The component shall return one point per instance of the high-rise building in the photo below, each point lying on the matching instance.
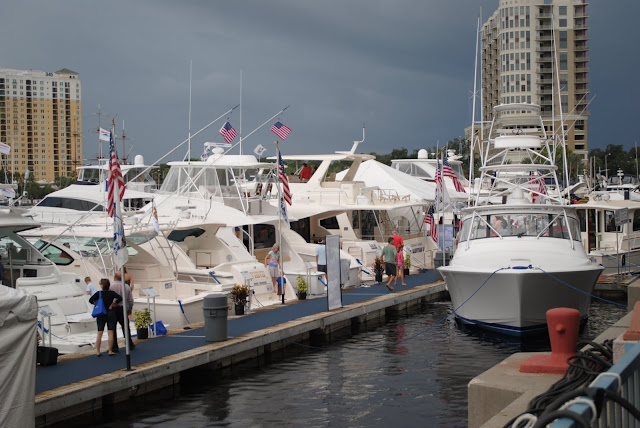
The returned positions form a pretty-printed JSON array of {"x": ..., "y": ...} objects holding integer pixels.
[
  {"x": 529, "y": 49},
  {"x": 41, "y": 119}
]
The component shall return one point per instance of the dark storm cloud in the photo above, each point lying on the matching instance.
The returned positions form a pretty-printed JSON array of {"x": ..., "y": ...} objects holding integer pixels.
[{"x": 403, "y": 67}]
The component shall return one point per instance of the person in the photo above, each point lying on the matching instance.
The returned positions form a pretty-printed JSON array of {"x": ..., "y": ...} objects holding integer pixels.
[
  {"x": 238, "y": 232},
  {"x": 397, "y": 239},
  {"x": 91, "y": 287},
  {"x": 321, "y": 258},
  {"x": 501, "y": 227},
  {"x": 400, "y": 265},
  {"x": 110, "y": 299},
  {"x": 1, "y": 271},
  {"x": 389, "y": 259},
  {"x": 128, "y": 279},
  {"x": 125, "y": 291},
  {"x": 272, "y": 261},
  {"x": 305, "y": 173}
]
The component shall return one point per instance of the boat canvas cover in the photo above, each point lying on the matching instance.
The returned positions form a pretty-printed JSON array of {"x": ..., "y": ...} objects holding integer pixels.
[
  {"x": 18, "y": 324},
  {"x": 374, "y": 173}
]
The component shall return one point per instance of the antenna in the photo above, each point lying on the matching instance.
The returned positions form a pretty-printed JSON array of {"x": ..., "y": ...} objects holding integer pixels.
[
  {"x": 356, "y": 143},
  {"x": 124, "y": 137},
  {"x": 98, "y": 131}
]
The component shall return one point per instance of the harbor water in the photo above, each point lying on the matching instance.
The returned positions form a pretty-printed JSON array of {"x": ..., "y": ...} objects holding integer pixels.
[{"x": 411, "y": 370}]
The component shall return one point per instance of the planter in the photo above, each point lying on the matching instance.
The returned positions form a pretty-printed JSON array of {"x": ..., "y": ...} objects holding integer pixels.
[
  {"x": 143, "y": 333},
  {"x": 239, "y": 307},
  {"x": 302, "y": 296},
  {"x": 379, "y": 277},
  {"x": 406, "y": 271}
]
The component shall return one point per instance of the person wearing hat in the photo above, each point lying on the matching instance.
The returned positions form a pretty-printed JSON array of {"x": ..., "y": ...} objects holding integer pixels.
[{"x": 305, "y": 173}]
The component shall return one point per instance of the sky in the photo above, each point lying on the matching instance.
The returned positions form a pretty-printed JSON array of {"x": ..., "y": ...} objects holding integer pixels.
[{"x": 404, "y": 68}]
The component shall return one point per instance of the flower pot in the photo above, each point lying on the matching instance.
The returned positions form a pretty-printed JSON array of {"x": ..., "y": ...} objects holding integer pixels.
[
  {"x": 379, "y": 277},
  {"x": 406, "y": 271},
  {"x": 143, "y": 333},
  {"x": 302, "y": 296},
  {"x": 239, "y": 309}
]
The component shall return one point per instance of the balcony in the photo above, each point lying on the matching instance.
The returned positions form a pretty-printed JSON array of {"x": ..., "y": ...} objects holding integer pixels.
[
  {"x": 580, "y": 15},
  {"x": 545, "y": 58},
  {"x": 582, "y": 91},
  {"x": 582, "y": 69},
  {"x": 580, "y": 37},
  {"x": 578, "y": 26},
  {"x": 544, "y": 27},
  {"x": 581, "y": 48},
  {"x": 582, "y": 58},
  {"x": 544, "y": 91},
  {"x": 544, "y": 48},
  {"x": 582, "y": 80}
]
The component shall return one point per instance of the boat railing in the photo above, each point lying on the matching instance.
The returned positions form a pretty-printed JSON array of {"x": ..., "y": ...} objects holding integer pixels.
[{"x": 623, "y": 380}]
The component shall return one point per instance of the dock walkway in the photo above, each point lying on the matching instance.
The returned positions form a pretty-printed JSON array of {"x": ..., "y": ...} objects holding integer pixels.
[{"x": 78, "y": 386}]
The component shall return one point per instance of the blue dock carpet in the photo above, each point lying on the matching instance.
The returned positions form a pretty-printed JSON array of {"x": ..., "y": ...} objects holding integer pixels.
[{"x": 79, "y": 369}]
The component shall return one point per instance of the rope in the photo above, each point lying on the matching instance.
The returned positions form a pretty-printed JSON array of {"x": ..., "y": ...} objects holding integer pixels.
[{"x": 40, "y": 326}]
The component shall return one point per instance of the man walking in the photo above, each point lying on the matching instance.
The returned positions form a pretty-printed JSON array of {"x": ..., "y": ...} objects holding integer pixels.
[
  {"x": 321, "y": 258},
  {"x": 389, "y": 258},
  {"x": 91, "y": 287},
  {"x": 125, "y": 291}
]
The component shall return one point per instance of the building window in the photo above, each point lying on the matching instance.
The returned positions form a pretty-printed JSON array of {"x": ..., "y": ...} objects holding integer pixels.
[
  {"x": 579, "y": 125},
  {"x": 563, "y": 40},
  {"x": 578, "y": 146},
  {"x": 562, "y": 10},
  {"x": 579, "y": 137},
  {"x": 563, "y": 61},
  {"x": 562, "y": 23}
]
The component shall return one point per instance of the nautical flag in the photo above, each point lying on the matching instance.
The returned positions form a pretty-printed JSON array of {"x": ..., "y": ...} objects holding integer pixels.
[
  {"x": 447, "y": 171},
  {"x": 259, "y": 150},
  {"x": 205, "y": 154},
  {"x": 120, "y": 253},
  {"x": 228, "y": 132},
  {"x": 433, "y": 229},
  {"x": 538, "y": 186},
  {"x": 281, "y": 130},
  {"x": 286, "y": 192},
  {"x": 5, "y": 149},
  {"x": 283, "y": 211},
  {"x": 154, "y": 211},
  {"x": 115, "y": 175},
  {"x": 438, "y": 178},
  {"x": 105, "y": 135}
]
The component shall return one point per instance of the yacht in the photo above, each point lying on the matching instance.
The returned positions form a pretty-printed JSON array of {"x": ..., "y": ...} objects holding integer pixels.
[
  {"x": 521, "y": 257},
  {"x": 70, "y": 327}
]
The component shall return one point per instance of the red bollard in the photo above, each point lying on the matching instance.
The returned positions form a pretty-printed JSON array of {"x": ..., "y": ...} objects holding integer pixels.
[{"x": 563, "y": 324}]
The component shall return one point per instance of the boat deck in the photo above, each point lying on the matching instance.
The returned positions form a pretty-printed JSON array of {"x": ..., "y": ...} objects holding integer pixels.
[{"x": 89, "y": 378}]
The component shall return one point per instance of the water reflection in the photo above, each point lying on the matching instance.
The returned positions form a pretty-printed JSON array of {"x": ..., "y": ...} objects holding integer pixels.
[{"x": 380, "y": 376}]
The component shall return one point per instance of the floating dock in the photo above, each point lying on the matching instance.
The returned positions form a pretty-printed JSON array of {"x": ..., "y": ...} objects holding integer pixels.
[{"x": 85, "y": 385}]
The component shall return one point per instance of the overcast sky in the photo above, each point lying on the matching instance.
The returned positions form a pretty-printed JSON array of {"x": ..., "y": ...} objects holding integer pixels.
[{"x": 403, "y": 67}]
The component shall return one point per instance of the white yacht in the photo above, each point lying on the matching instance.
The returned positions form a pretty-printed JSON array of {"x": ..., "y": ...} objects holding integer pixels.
[
  {"x": 364, "y": 216},
  {"x": 62, "y": 295},
  {"x": 89, "y": 193},
  {"x": 517, "y": 259}
]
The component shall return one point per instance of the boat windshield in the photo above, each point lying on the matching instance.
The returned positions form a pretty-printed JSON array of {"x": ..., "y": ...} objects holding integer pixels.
[
  {"x": 519, "y": 224},
  {"x": 143, "y": 178}
]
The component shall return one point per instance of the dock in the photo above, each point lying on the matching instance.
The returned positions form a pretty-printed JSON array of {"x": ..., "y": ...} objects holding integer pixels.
[{"x": 79, "y": 387}]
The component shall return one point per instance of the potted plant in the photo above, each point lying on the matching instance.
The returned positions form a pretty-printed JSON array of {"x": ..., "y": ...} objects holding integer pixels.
[
  {"x": 239, "y": 296},
  {"x": 377, "y": 269},
  {"x": 302, "y": 287},
  {"x": 142, "y": 321},
  {"x": 407, "y": 264}
]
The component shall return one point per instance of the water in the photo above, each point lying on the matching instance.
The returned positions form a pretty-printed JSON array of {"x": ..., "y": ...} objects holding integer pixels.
[{"x": 366, "y": 380}]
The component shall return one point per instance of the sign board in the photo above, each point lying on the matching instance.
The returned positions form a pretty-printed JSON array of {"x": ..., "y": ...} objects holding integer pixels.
[
  {"x": 334, "y": 293},
  {"x": 46, "y": 311},
  {"x": 621, "y": 216},
  {"x": 150, "y": 292},
  {"x": 246, "y": 275},
  {"x": 309, "y": 265},
  {"x": 445, "y": 237}
]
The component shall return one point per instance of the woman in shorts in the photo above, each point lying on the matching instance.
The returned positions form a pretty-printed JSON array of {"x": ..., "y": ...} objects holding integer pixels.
[
  {"x": 110, "y": 299},
  {"x": 272, "y": 262}
]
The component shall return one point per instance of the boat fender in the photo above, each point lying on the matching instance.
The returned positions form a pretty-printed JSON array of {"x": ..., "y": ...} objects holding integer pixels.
[{"x": 522, "y": 267}]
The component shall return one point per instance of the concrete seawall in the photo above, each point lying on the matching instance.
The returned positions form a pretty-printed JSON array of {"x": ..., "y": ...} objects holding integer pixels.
[{"x": 92, "y": 395}]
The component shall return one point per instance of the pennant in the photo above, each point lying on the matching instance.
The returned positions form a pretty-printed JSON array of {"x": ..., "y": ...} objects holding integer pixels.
[
  {"x": 259, "y": 150},
  {"x": 5, "y": 149},
  {"x": 105, "y": 135}
]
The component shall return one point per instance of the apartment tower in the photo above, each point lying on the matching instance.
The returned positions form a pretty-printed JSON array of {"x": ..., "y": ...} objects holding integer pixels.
[
  {"x": 41, "y": 119},
  {"x": 528, "y": 49}
]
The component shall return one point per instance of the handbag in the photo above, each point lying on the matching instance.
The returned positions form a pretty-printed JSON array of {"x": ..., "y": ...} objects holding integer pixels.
[{"x": 99, "y": 308}]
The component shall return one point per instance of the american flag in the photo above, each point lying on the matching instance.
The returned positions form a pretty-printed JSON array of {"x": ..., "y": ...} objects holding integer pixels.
[
  {"x": 228, "y": 132},
  {"x": 286, "y": 192},
  {"x": 281, "y": 130},
  {"x": 428, "y": 219},
  {"x": 447, "y": 171},
  {"x": 115, "y": 176},
  {"x": 538, "y": 186},
  {"x": 438, "y": 177}
]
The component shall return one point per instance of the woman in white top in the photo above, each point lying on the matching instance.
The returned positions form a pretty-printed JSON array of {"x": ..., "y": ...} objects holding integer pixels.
[{"x": 272, "y": 261}]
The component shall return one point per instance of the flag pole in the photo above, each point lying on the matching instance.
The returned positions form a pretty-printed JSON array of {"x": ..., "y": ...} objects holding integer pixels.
[
  {"x": 281, "y": 268},
  {"x": 118, "y": 238}
]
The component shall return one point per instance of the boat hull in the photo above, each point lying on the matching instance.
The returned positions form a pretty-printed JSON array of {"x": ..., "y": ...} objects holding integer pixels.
[{"x": 515, "y": 301}]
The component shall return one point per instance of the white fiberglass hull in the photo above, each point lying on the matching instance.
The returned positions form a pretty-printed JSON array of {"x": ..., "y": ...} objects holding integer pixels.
[{"x": 515, "y": 301}]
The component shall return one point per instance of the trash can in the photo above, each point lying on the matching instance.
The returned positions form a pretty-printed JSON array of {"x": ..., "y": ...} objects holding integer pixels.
[
  {"x": 215, "y": 312},
  {"x": 437, "y": 262}
]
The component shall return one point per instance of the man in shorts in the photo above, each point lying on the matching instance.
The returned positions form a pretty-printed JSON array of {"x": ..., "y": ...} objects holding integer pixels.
[
  {"x": 389, "y": 258},
  {"x": 321, "y": 258}
]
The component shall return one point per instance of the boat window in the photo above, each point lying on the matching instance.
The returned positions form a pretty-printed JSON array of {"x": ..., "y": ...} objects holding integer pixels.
[
  {"x": 144, "y": 178},
  {"x": 55, "y": 254},
  {"x": 636, "y": 220},
  {"x": 520, "y": 224},
  {"x": 68, "y": 203},
  {"x": 330, "y": 223},
  {"x": 91, "y": 175},
  {"x": 180, "y": 235},
  {"x": 265, "y": 235},
  {"x": 610, "y": 222}
]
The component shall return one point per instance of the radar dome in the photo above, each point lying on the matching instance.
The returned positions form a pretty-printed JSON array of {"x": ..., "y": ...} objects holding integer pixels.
[
  {"x": 423, "y": 154},
  {"x": 138, "y": 160}
]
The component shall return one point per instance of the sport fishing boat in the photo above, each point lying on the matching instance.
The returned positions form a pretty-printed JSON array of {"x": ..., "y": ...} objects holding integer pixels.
[{"x": 517, "y": 259}]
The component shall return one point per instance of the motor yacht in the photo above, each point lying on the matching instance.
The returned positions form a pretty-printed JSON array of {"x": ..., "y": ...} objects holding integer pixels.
[{"x": 521, "y": 257}]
